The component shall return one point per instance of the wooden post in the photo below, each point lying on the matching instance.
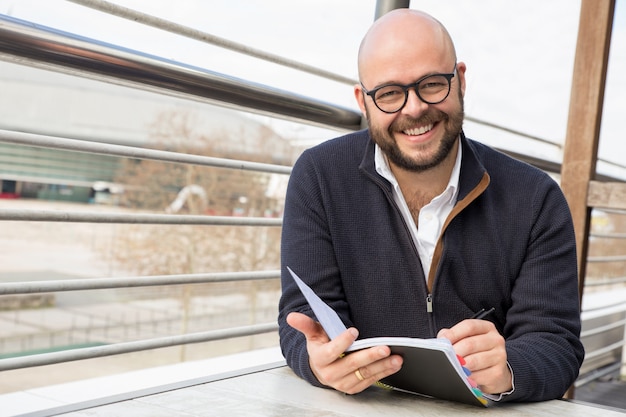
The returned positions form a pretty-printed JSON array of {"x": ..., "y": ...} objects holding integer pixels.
[
  {"x": 580, "y": 154},
  {"x": 585, "y": 115}
]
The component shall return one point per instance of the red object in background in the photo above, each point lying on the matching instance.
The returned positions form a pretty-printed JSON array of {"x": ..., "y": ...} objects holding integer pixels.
[{"x": 9, "y": 195}]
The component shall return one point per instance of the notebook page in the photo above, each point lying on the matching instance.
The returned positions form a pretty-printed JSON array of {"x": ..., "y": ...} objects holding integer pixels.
[{"x": 329, "y": 319}]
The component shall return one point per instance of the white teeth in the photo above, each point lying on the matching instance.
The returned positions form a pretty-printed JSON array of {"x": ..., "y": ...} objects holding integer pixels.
[{"x": 418, "y": 130}]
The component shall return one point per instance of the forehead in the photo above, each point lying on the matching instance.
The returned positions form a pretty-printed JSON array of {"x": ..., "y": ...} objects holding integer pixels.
[{"x": 403, "y": 49}]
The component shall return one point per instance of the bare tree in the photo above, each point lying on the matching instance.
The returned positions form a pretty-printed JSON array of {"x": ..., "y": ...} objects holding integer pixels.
[{"x": 153, "y": 185}]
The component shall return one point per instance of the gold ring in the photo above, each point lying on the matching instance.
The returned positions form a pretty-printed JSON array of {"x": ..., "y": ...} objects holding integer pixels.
[{"x": 358, "y": 375}]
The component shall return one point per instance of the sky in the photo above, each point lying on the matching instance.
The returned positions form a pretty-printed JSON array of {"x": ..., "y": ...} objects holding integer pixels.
[{"x": 519, "y": 55}]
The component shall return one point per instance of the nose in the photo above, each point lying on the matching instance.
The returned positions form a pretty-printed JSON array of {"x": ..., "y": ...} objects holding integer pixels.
[{"x": 414, "y": 105}]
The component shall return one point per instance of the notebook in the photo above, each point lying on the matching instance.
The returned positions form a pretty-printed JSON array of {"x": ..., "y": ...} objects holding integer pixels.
[{"x": 430, "y": 367}]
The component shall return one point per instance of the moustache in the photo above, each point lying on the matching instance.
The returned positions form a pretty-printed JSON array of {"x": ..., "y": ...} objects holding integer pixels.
[{"x": 408, "y": 122}]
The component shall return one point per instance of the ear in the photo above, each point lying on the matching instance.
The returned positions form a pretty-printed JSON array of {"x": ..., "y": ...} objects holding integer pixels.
[
  {"x": 460, "y": 71},
  {"x": 359, "y": 95}
]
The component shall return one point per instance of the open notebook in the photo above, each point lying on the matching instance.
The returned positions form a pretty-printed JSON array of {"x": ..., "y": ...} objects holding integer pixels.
[{"x": 431, "y": 367}]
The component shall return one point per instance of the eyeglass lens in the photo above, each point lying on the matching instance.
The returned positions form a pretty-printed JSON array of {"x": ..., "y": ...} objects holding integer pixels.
[{"x": 432, "y": 90}]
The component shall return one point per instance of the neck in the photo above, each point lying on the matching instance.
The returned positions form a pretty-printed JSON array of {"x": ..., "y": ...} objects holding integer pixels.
[{"x": 419, "y": 188}]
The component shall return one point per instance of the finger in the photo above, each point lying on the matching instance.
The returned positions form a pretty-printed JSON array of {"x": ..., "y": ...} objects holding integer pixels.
[
  {"x": 465, "y": 329},
  {"x": 381, "y": 368},
  {"x": 482, "y": 352},
  {"x": 314, "y": 332},
  {"x": 341, "y": 373},
  {"x": 307, "y": 326},
  {"x": 491, "y": 344},
  {"x": 362, "y": 377}
]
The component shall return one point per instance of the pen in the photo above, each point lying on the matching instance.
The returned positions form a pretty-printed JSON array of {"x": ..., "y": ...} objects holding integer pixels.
[{"x": 483, "y": 313}]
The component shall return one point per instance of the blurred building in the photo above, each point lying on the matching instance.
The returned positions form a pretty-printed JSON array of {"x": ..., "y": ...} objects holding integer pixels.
[{"x": 53, "y": 104}]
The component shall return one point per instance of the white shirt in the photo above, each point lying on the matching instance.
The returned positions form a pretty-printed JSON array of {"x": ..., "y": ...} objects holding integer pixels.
[{"x": 431, "y": 217}]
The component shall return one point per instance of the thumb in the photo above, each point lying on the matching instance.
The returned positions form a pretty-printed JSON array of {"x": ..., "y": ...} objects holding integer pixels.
[{"x": 307, "y": 326}]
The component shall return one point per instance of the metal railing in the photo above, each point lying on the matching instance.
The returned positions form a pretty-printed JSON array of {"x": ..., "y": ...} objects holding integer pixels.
[
  {"x": 604, "y": 326},
  {"x": 55, "y": 286},
  {"x": 43, "y": 47},
  {"x": 38, "y": 46}
]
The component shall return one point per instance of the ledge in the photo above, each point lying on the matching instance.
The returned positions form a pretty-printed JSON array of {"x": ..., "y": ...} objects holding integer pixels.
[{"x": 63, "y": 398}]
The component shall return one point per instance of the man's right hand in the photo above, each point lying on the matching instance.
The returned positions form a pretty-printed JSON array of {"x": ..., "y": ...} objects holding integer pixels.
[{"x": 351, "y": 373}]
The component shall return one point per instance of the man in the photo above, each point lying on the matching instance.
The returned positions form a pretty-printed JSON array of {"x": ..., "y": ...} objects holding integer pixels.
[{"x": 408, "y": 228}]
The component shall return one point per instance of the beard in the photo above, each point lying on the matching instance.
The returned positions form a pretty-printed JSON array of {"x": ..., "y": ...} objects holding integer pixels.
[{"x": 453, "y": 124}]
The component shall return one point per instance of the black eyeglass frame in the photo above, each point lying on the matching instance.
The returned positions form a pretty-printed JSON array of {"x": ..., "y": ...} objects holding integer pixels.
[{"x": 415, "y": 86}]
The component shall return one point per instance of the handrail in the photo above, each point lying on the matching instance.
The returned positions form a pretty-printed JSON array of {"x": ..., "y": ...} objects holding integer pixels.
[{"x": 41, "y": 46}]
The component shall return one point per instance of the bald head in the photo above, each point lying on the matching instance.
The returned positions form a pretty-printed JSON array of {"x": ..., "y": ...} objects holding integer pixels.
[{"x": 400, "y": 34}]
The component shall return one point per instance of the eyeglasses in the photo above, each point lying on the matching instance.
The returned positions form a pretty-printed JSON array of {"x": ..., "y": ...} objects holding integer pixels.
[{"x": 431, "y": 89}]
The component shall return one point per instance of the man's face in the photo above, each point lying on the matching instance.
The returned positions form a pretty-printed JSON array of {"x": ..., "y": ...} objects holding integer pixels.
[{"x": 420, "y": 136}]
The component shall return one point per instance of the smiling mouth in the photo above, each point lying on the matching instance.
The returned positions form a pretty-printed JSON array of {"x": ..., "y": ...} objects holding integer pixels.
[{"x": 416, "y": 131}]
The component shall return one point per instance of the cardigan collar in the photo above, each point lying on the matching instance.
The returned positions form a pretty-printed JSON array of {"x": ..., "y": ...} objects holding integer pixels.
[{"x": 472, "y": 168}]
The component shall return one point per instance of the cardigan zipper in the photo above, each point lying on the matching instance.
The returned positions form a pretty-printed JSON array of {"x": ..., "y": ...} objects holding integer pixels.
[{"x": 429, "y": 296}]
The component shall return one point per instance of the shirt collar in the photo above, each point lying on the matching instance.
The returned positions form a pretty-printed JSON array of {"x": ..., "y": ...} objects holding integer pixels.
[{"x": 452, "y": 189}]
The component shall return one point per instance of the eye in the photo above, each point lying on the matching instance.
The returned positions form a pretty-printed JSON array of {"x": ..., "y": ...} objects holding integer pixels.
[
  {"x": 433, "y": 83},
  {"x": 390, "y": 93}
]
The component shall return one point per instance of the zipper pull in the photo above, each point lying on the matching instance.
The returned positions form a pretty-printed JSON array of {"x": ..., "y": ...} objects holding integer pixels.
[{"x": 429, "y": 303}]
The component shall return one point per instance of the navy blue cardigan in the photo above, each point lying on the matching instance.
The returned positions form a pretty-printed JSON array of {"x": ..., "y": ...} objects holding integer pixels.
[{"x": 509, "y": 244}]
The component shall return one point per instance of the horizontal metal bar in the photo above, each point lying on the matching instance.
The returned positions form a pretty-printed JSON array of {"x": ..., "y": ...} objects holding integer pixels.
[
  {"x": 603, "y": 329},
  {"x": 53, "y": 142},
  {"x": 608, "y": 235},
  {"x": 620, "y": 212},
  {"x": 514, "y": 131},
  {"x": 135, "y": 346},
  {"x": 146, "y": 19},
  {"x": 27, "y": 43},
  {"x": 31, "y": 287},
  {"x": 617, "y": 258},
  {"x": 133, "y": 218},
  {"x": 608, "y": 307},
  {"x": 604, "y": 350},
  {"x": 609, "y": 281}
]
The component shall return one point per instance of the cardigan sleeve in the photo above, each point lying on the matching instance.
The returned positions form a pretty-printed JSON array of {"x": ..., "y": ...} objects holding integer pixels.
[
  {"x": 307, "y": 249},
  {"x": 543, "y": 324}
]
